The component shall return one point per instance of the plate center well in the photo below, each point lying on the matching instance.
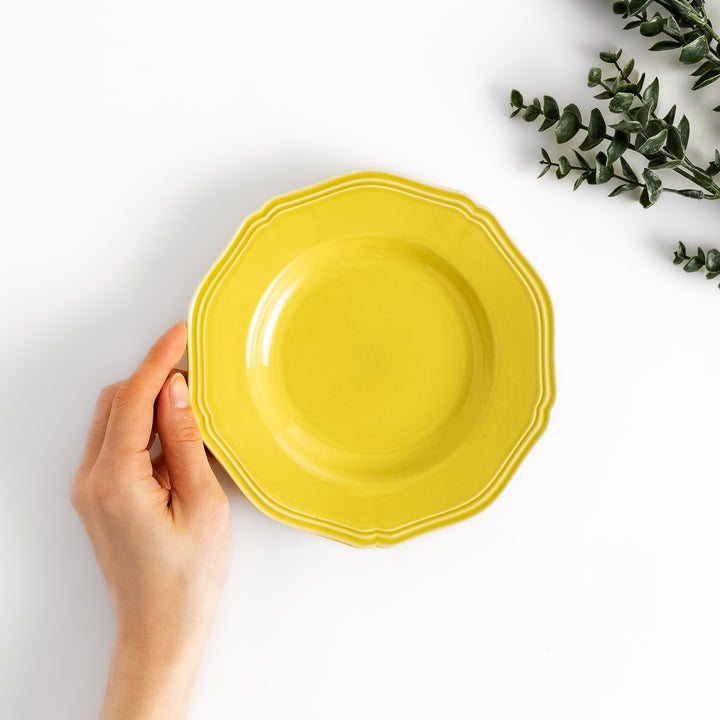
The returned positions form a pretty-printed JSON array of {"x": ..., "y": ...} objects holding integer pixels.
[{"x": 365, "y": 354}]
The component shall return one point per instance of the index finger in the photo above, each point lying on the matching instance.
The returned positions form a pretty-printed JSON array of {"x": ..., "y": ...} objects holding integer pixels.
[{"x": 131, "y": 417}]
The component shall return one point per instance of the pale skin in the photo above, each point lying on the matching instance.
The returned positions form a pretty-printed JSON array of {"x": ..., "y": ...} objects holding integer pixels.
[{"x": 160, "y": 530}]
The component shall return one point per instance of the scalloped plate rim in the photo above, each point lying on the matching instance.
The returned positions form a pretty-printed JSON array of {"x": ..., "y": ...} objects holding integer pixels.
[{"x": 475, "y": 212}]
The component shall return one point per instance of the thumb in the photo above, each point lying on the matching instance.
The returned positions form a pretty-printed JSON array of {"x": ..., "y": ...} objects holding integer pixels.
[{"x": 190, "y": 475}]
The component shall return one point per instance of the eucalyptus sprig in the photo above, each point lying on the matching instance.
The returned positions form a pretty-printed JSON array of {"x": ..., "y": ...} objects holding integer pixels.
[
  {"x": 660, "y": 141},
  {"x": 634, "y": 128},
  {"x": 709, "y": 260},
  {"x": 685, "y": 26}
]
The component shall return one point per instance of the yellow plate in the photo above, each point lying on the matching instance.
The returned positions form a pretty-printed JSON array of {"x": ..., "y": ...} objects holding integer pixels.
[{"x": 371, "y": 358}]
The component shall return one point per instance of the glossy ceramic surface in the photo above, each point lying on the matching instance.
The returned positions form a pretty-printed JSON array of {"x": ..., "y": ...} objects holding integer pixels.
[{"x": 370, "y": 358}]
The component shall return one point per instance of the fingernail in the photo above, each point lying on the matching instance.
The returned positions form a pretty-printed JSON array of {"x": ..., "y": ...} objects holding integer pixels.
[{"x": 179, "y": 396}]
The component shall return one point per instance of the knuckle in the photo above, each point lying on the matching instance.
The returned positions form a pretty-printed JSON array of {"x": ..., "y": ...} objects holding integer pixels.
[
  {"x": 187, "y": 434},
  {"x": 108, "y": 393},
  {"x": 123, "y": 393},
  {"x": 133, "y": 389}
]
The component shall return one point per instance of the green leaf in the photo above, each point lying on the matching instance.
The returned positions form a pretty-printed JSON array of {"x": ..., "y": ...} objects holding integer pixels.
[
  {"x": 618, "y": 146},
  {"x": 682, "y": 250},
  {"x": 641, "y": 114},
  {"x": 653, "y": 186},
  {"x": 654, "y": 127},
  {"x": 610, "y": 57},
  {"x": 563, "y": 167},
  {"x": 568, "y": 125},
  {"x": 712, "y": 261},
  {"x": 701, "y": 254},
  {"x": 654, "y": 144},
  {"x": 628, "y": 172},
  {"x": 672, "y": 26},
  {"x": 684, "y": 130},
  {"x": 589, "y": 143},
  {"x": 693, "y": 265},
  {"x": 594, "y": 77},
  {"x": 625, "y": 187},
  {"x": 582, "y": 160},
  {"x": 605, "y": 95},
  {"x": 637, "y": 6},
  {"x": 544, "y": 170},
  {"x": 714, "y": 167},
  {"x": 670, "y": 117},
  {"x": 621, "y": 102},
  {"x": 516, "y": 99},
  {"x": 628, "y": 87},
  {"x": 696, "y": 194},
  {"x": 550, "y": 108},
  {"x": 709, "y": 77},
  {"x": 596, "y": 124},
  {"x": 579, "y": 181},
  {"x": 619, "y": 7},
  {"x": 716, "y": 108},
  {"x": 603, "y": 169},
  {"x": 546, "y": 155},
  {"x": 632, "y": 24},
  {"x": 665, "y": 45},
  {"x": 628, "y": 126},
  {"x": 681, "y": 7},
  {"x": 712, "y": 275},
  {"x": 572, "y": 108},
  {"x": 703, "y": 68},
  {"x": 649, "y": 28},
  {"x": 651, "y": 94},
  {"x": 628, "y": 68},
  {"x": 530, "y": 113},
  {"x": 695, "y": 51},
  {"x": 674, "y": 143}
]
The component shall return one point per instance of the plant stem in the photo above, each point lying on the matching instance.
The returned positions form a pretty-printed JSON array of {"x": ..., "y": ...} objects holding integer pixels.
[
  {"x": 626, "y": 180},
  {"x": 714, "y": 193},
  {"x": 699, "y": 21},
  {"x": 579, "y": 168},
  {"x": 686, "y": 162},
  {"x": 706, "y": 196}
]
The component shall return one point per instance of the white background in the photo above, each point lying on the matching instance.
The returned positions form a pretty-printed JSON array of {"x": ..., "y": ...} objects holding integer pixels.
[{"x": 135, "y": 138}]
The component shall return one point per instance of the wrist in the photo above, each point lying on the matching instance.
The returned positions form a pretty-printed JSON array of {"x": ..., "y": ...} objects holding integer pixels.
[
  {"x": 164, "y": 621},
  {"x": 152, "y": 675}
]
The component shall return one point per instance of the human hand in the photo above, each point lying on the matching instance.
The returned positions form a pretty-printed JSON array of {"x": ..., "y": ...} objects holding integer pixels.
[{"x": 160, "y": 530}]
